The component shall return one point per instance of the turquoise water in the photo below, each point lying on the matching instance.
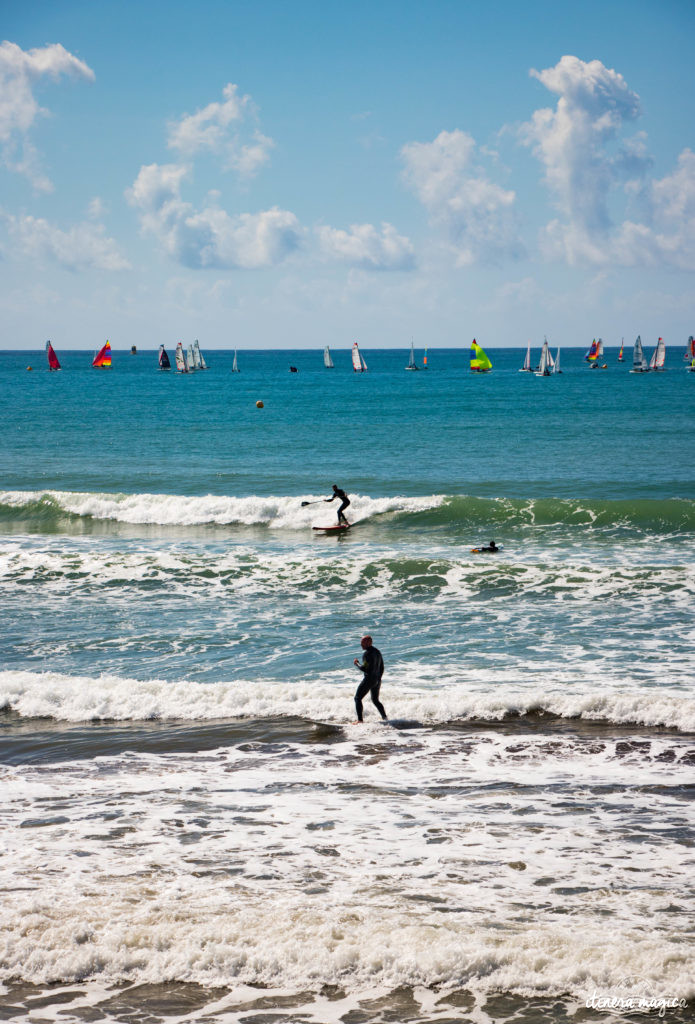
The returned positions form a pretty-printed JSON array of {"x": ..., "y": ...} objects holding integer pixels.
[{"x": 177, "y": 681}]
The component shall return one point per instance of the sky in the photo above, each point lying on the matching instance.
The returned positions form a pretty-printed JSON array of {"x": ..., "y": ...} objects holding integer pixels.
[{"x": 289, "y": 175}]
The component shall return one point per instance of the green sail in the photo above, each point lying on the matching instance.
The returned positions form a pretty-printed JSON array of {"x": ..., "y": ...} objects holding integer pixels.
[{"x": 479, "y": 360}]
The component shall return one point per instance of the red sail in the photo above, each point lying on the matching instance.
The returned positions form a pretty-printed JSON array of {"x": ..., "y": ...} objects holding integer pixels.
[
  {"x": 53, "y": 363},
  {"x": 103, "y": 356}
]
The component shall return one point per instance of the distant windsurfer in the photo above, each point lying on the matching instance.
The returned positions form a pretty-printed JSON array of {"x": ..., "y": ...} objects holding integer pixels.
[
  {"x": 372, "y": 667},
  {"x": 338, "y": 493}
]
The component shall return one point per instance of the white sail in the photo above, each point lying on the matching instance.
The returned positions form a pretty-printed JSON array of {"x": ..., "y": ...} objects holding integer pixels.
[
  {"x": 659, "y": 356},
  {"x": 527, "y": 360},
  {"x": 235, "y": 368},
  {"x": 356, "y": 359},
  {"x": 190, "y": 359},
  {"x": 197, "y": 364},
  {"x": 364, "y": 365},
  {"x": 556, "y": 367},
  {"x": 412, "y": 365},
  {"x": 639, "y": 363},
  {"x": 599, "y": 353},
  {"x": 180, "y": 359},
  {"x": 546, "y": 362},
  {"x": 327, "y": 361}
]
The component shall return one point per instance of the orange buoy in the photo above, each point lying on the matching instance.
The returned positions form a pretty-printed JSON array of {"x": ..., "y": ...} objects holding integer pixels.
[{"x": 30, "y": 367}]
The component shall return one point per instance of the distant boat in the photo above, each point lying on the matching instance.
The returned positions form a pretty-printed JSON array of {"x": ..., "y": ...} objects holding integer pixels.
[
  {"x": 556, "y": 367},
  {"x": 198, "y": 358},
  {"x": 412, "y": 365},
  {"x": 591, "y": 353},
  {"x": 164, "y": 363},
  {"x": 424, "y": 360},
  {"x": 690, "y": 354},
  {"x": 180, "y": 359},
  {"x": 133, "y": 350},
  {"x": 546, "y": 366},
  {"x": 595, "y": 357},
  {"x": 53, "y": 363},
  {"x": 527, "y": 368},
  {"x": 358, "y": 363},
  {"x": 659, "y": 356},
  {"x": 620, "y": 354},
  {"x": 327, "y": 361},
  {"x": 479, "y": 361},
  {"x": 190, "y": 359},
  {"x": 235, "y": 368},
  {"x": 103, "y": 357},
  {"x": 639, "y": 363}
]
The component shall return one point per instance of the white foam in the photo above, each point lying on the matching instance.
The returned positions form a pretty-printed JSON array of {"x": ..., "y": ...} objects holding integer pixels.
[
  {"x": 451, "y": 696},
  {"x": 276, "y": 512}
]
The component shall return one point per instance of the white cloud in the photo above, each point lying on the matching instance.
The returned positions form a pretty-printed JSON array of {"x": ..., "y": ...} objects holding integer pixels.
[
  {"x": 586, "y": 160},
  {"x": 83, "y": 246},
  {"x": 209, "y": 237},
  {"x": 222, "y": 128},
  {"x": 476, "y": 214},
  {"x": 365, "y": 247},
  {"x": 19, "y": 70}
]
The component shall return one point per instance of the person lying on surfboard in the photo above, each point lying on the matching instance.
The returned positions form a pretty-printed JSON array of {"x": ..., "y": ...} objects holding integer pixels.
[
  {"x": 337, "y": 493},
  {"x": 372, "y": 666}
]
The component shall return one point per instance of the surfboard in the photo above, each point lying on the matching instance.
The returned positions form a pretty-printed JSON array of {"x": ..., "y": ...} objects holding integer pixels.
[{"x": 332, "y": 529}]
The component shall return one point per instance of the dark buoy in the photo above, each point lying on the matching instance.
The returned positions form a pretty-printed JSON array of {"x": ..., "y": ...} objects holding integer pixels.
[
  {"x": 293, "y": 369},
  {"x": 133, "y": 350},
  {"x": 259, "y": 405}
]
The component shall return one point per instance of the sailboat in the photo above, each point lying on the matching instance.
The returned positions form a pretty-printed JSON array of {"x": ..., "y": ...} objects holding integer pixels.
[
  {"x": 164, "y": 363},
  {"x": 546, "y": 364},
  {"x": 591, "y": 353},
  {"x": 556, "y": 366},
  {"x": 620, "y": 354},
  {"x": 594, "y": 355},
  {"x": 358, "y": 363},
  {"x": 327, "y": 361},
  {"x": 103, "y": 357},
  {"x": 190, "y": 359},
  {"x": 639, "y": 363},
  {"x": 235, "y": 367},
  {"x": 412, "y": 365},
  {"x": 658, "y": 356},
  {"x": 199, "y": 359},
  {"x": 690, "y": 354},
  {"x": 479, "y": 360},
  {"x": 180, "y": 359},
  {"x": 424, "y": 360},
  {"x": 53, "y": 363},
  {"x": 527, "y": 368}
]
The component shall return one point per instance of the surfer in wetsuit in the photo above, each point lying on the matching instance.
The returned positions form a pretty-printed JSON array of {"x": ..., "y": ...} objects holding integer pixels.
[
  {"x": 372, "y": 665},
  {"x": 491, "y": 549},
  {"x": 337, "y": 493}
]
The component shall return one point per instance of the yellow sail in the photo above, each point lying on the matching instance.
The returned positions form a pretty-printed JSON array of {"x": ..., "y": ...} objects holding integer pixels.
[{"x": 479, "y": 360}]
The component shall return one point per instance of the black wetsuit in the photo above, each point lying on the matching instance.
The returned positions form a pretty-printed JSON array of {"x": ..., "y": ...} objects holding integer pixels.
[
  {"x": 345, "y": 502},
  {"x": 373, "y": 668}
]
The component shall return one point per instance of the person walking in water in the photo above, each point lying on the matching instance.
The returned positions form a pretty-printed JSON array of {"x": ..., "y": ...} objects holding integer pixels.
[
  {"x": 345, "y": 501},
  {"x": 372, "y": 666}
]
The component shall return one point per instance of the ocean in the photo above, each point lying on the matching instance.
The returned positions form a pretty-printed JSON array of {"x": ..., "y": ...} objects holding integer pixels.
[{"x": 192, "y": 826}]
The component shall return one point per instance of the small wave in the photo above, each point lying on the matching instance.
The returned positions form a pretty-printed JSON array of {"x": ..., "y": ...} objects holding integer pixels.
[
  {"x": 67, "y": 698},
  {"x": 275, "y": 512}
]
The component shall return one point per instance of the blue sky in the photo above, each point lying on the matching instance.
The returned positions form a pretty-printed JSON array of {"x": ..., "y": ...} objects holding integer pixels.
[{"x": 275, "y": 175}]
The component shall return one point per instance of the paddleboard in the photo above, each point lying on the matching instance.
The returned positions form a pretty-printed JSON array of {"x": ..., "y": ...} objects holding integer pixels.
[
  {"x": 332, "y": 529},
  {"x": 481, "y": 551}
]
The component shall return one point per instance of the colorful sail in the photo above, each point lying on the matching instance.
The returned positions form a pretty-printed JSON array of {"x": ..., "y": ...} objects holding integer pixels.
[
  {"x": 690, "y": 350},
  {"x": 620, "y": 354},
  {"x": 53, "y": 363},
  {"x": 424, "y": 359},
  {"x": 180, "y": 359},
  {"x": 479, "y": 360},
  {"x": 164, "y": 363},
  {"x": 358, "y": 364},
  {"x": 103, "y": 357},
  {"x": 592, "y": 352}
]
